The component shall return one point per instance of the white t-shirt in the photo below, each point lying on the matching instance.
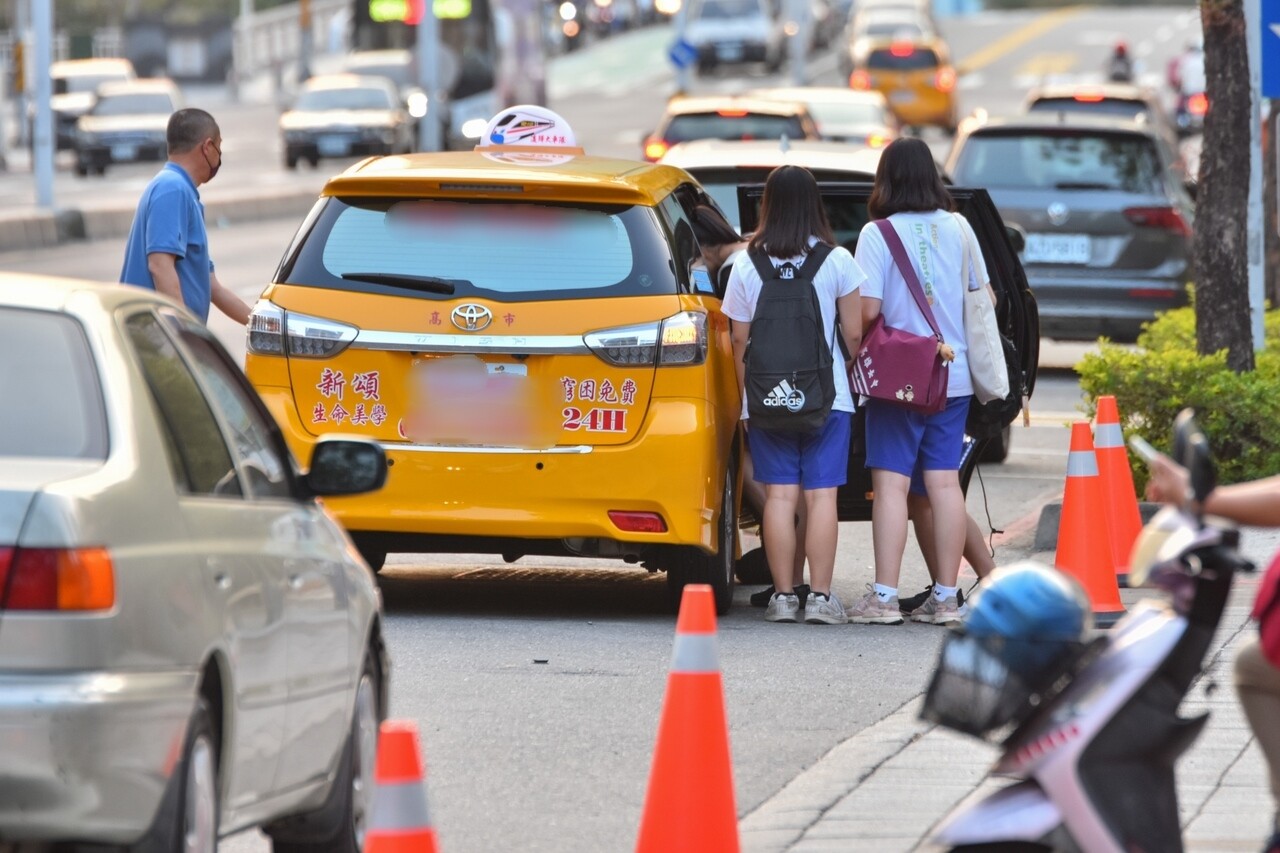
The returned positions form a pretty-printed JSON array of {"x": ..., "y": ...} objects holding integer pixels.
[
  {"x": 934, "y": 244},
  {"x": 838, "y": 276}
]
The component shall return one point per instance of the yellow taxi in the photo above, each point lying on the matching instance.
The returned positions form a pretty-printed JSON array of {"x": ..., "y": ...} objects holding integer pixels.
[
  {"x": 914, "y": 73},
  {"x": 529, "y": 334}
]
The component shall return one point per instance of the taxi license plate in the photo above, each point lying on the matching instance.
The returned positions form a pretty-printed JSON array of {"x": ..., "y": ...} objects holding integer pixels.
[
  {"x": 124, "y": 152},
  {"x": 1057, "y": 249},
  {"x": 902, "y": 96},
  {"x": 729, "y": 52},
  {"x": 333, "y": 146},
  {"x": 460, "y": 400}
]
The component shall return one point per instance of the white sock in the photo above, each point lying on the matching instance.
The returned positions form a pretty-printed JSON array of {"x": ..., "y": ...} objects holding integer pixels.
[
  {"x": 942, "y": 593},
  {"x": 884, "y": 593}
]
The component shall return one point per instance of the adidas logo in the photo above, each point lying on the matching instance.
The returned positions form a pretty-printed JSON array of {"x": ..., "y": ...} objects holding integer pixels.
[{"x": 784, "y": 394}]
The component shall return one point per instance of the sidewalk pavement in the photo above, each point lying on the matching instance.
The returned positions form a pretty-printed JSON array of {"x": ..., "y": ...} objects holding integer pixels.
[{"x": 885, "y": 788}]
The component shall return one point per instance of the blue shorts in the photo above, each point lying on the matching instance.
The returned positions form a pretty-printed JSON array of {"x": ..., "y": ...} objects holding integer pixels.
[
  {"x": 901, "y": 440},
  {"x": 818, "y": 460}
]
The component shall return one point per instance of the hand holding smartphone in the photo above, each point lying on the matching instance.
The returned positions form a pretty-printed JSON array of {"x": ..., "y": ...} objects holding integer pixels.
[{"x": 1143, "y": 448}]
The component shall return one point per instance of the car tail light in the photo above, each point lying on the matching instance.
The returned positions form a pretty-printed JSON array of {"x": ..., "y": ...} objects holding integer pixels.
[
  {"x": 1165, "y": 218},
  {"x": 945, "y": 79},
  {"x": 902, "y": 49},
  {"x": 266, "y": 329},
  {"x": 877, "y": 140},
  {"x": 637, "y": 522},
  {"x": 684, "y": 339},
  {"x": 860, "y": 80},
  {"x": 1151, "y": 293},
  {"x": 1198, "y": 104},
  {"x": 680, "y": 339},
  {"x": 655, "y": 148},
  {"x": 1088, "y": 97},
  {"x": 273, "y": 331},
  {"x": 78, "y": 579},
  {"x": 734, "y": 112}
]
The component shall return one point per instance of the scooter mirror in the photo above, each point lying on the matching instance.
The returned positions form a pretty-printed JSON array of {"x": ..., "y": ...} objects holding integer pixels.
[{"x": 1191, "y": 450}]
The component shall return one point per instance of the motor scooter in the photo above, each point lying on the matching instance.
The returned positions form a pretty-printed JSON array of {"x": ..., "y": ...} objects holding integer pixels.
[{"x": 1093, "y": 743}]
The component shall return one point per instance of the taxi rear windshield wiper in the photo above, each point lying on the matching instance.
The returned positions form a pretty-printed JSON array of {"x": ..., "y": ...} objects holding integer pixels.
[
  {"x": 430, "y": 283},
  {"x": 1083, "y": 185}
]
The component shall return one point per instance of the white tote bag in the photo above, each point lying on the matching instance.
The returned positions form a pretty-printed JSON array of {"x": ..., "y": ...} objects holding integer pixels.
[{"x": 987, "y": 367}]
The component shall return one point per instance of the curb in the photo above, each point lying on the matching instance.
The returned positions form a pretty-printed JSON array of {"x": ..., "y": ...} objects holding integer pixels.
[
  {"x": 1051, "y": 516},
  {"x": 45, "y": 229}
]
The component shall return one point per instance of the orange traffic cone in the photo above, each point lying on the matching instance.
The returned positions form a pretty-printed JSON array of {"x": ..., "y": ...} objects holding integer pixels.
[
  {"x": 1084, "y": 534},
  {"x": 1117, "y": 485},
  {"x": 689, "y": 805},
  {"x": 398, "y": 821}
]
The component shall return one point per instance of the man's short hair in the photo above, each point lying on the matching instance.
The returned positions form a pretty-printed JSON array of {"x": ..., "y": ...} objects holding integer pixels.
[{"x": 188, "y": 128}]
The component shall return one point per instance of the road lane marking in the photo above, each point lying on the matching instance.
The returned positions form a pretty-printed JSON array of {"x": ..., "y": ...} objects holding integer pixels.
[
  {"x": 1048, "y": 64},
  {"x": 1007, "y": 44}
]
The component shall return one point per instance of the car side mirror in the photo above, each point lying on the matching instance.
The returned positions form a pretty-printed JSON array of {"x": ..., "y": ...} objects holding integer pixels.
[
  {"x": 1017, "y": 237},
  {"x": 343, "y": 466}
]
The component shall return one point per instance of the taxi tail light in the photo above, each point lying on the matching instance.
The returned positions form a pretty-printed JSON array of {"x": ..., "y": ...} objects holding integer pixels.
[
  {"x": 72, "y": 579},
  {"x": 654, "y": 148},
  {"x": 684, "y": 339},
  {"x": 877, "y": 140},
  {"x": 627, "y": 345},
  {"x": 945, "y": 80},
  {"x": 316, "y": 337},
  {"x": 266, "y": 329},
  {"x": 1198, "y": 104},
  {"x": 679, "y": 339},
  {"x": 860, "y": 80},
  {"x": 637, "y": 522},
  {"x": 1164, "y": 218}
]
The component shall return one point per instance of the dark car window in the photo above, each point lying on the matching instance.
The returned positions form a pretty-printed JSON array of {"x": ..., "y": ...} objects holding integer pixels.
[
  {"x": 902, "y": 59},
  {"x": 722, "y": 182},
  {"x": 83, "y": 82},
  {"x": 141, "y": 103},
  {"x": 512, "y": 251},
  {"x": 1060, "y": 160},
  {"x": 1123, "y": 107},
  {"x": 733, "y": 125},
  {"x": 53, "y": 399},
  {"x": 201, "y": 461},
  {"x": 266, "y": 472},
  {"x": 353, "y": 98}
]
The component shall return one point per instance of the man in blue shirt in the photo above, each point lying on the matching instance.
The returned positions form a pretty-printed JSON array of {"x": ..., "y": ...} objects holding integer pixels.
[{"x": 168, "y": 247}]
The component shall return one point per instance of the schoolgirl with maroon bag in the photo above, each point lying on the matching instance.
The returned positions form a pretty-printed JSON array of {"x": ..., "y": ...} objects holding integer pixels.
[{"x": 912, "y": 367}]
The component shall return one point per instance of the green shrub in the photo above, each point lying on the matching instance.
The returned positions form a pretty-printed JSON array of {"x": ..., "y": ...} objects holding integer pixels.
[{"x": 1239, "y": 412}]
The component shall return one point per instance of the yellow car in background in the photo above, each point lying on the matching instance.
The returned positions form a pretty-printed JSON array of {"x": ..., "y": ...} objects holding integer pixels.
[
  {"x": 529, "y": 334},
  {"x": 914, "y": 73}
]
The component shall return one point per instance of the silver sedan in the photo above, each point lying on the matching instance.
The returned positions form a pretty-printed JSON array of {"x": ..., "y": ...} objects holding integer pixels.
[{"x": 189, "y": 643}]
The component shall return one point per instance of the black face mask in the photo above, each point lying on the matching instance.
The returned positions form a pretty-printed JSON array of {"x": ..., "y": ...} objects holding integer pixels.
[{"x": 213, "y": 170}]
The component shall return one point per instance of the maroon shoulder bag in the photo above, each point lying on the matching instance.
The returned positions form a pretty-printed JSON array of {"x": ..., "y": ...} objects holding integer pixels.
[{"x": 898, "y": 366}]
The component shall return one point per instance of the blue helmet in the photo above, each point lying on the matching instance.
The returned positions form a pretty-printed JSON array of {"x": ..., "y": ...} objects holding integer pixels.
[{"x": 1039, "y": 613}]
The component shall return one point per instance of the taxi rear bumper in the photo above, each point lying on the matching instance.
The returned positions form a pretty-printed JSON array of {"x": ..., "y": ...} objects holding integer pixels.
[{"x": 483, "y": 499}]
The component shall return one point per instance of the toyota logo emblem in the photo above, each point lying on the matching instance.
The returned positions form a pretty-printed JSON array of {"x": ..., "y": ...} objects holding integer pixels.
[
  {"x": 471, "y": 317},
  {"x": 1058, "y": 213}
]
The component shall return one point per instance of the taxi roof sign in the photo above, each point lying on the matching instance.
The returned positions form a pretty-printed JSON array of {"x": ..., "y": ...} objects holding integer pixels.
[{"x": 529, "y": 134}]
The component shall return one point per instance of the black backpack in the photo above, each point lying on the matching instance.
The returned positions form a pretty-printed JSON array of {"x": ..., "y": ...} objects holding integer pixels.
[{"x": 790, "y": 386}]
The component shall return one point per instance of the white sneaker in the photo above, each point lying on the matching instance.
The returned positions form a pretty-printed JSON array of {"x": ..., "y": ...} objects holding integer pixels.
[
  {"x": 826, "y": 610},
  {"x": 782, "y": 608}
]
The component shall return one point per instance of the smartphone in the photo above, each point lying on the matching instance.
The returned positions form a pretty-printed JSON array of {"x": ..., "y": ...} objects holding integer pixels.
[{"x": 1143, "y": 448}]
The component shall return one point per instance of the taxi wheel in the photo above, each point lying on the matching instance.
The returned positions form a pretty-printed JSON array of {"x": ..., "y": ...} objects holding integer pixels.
[{"x": 716, "y": 569}]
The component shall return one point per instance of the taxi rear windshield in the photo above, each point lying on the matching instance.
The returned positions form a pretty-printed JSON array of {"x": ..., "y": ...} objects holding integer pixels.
[
  {"x": 689, "y": 126},
  {"x": 902, "y": 59},
  {"x": 510, "y": 251}
]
